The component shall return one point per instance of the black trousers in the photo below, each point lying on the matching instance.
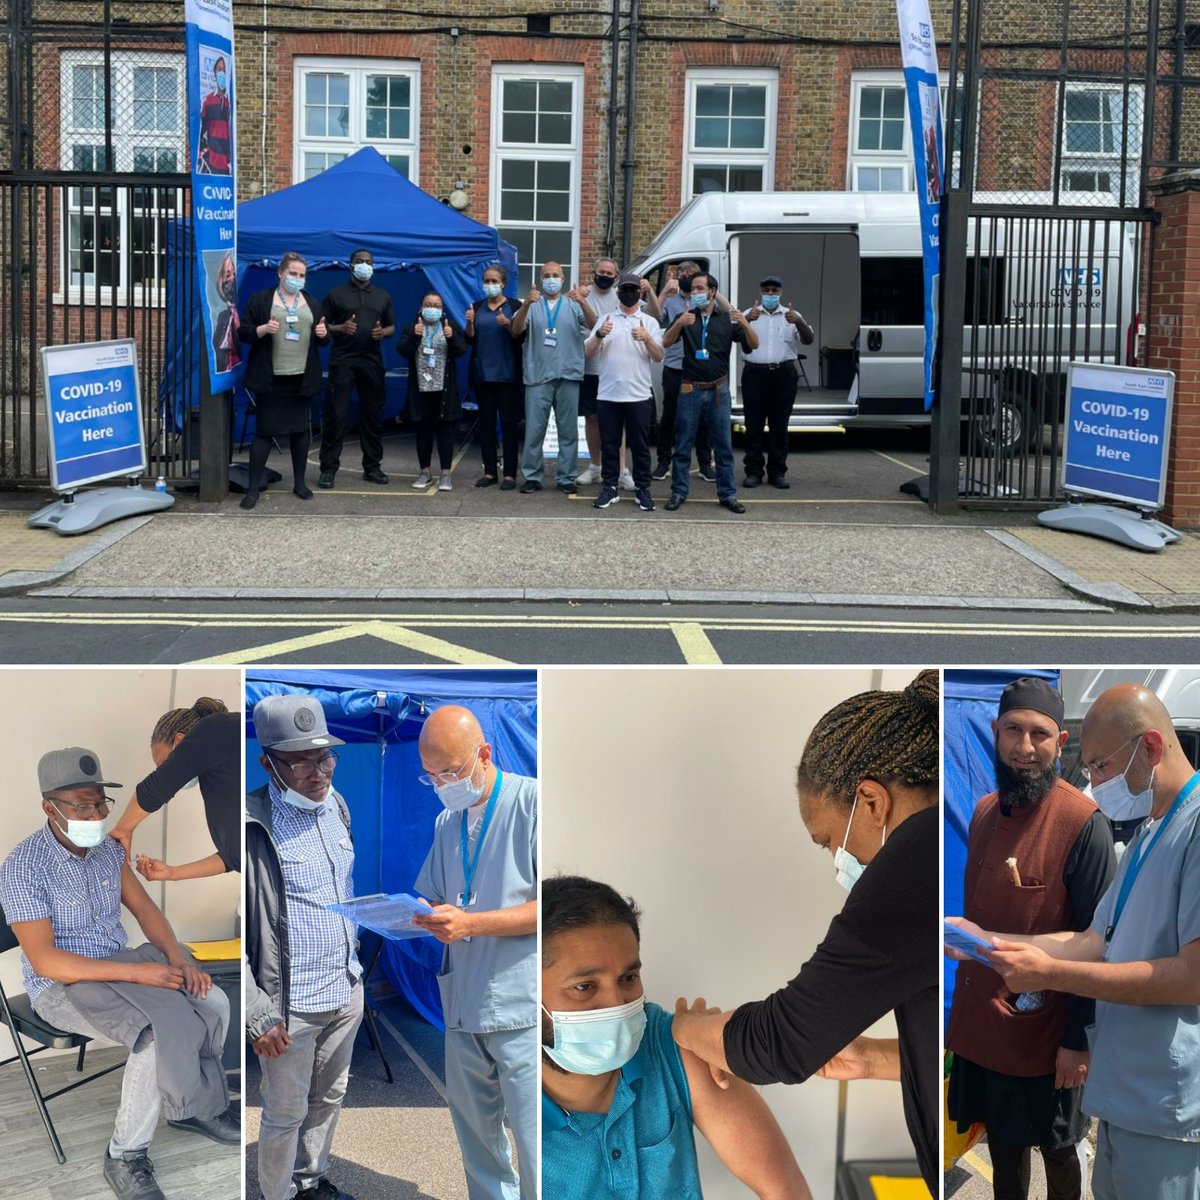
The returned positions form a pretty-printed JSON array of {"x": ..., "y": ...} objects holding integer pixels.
[
  {"x": 366, "y": 378},
  {"x": 1011, "y": 1171},
  {"x": 672, "y": 377},
  {"x": 768, "y": 395},
  {"x": 506, "y": 401},
  {"x": 431, "y": 426},
  {"x": 617, "y": 418}
]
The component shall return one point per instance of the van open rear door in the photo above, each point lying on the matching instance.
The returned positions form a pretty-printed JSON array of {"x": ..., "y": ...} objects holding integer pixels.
[{"x": 819, "y": 266}]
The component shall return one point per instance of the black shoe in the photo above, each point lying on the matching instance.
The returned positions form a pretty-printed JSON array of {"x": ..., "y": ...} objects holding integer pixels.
[
  {"x": 733, "y": 504},
  {"x": 375, "y": 475},
  {"x": 132, "y": 1176},
  {"x": 780, "y": 482},
  {"x": 662, "y": 471},
  {"x": 325, "y": 1190},
  {"x": 508, "y": 485},
  {"x": 752, "y": 481},
  {"x": 644, "y": 500},
  {"x": 305, "y": 493},
  {"x": 325, "y": 479},
  {"x": 708, "y": 471},
  {"x": 674, "y": 502},
  {"x": 485, "y": 481},
  {"x": 221, "y": 1128},
  {"x": 530, "y": 485},
  {"x": 567, "y": 489},
  {"x": 249, "y": 500},
  {"x": 608, "y": 495}
]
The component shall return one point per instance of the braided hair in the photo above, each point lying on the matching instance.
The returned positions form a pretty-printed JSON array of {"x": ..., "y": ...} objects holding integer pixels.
[
  {"x": 181, "y": 720},
  {"x": 891, "y": 737}
]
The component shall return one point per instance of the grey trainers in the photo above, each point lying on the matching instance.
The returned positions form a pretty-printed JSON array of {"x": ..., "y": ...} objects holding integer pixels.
[
  {"x": 132, "y": 1176},
  {"x": 423, "y": 480},
  {"x": 445, "y": 485}
]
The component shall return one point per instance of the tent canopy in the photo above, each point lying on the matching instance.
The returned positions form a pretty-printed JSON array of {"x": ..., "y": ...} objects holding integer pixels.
[
  {"x": 379, "y": 715},
  {"x": 969, "y": 707}
]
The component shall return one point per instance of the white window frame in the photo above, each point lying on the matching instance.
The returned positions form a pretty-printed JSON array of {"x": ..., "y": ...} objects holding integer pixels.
[
  {"x": 69, "y": 287},
  {"x": 357, "y": 68},
  {"x": 1100, "y": 160},
  {"x": 557, "y": 152},
  {"x": 858, "y": 159},
  {"x": 696, "y": 156}
]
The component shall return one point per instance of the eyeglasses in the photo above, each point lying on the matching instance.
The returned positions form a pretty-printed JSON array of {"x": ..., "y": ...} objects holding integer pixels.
[
  {"x": 436, "y": 777},
  {"x": 1097, "y": 768},
  {"x": 86, "y": 810},
  {"x": 307, "y": 768}
]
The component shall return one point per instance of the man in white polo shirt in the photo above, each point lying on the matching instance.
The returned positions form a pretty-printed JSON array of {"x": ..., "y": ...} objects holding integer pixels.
[{"x": 625, "y": 342}]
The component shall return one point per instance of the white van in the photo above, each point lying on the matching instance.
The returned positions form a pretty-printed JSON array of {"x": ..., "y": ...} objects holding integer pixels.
[{"x": 851, "y": 263}]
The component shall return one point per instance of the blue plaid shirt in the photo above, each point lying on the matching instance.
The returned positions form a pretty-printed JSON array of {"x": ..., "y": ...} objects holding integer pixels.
[
  {"x": 317, "y": 861},
  {"x": 41, "y": 880}
]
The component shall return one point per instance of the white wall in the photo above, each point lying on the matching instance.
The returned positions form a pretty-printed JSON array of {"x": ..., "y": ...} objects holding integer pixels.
[
  {"x": 113, "y": 711},
  {"x": 676, "y": 787}
]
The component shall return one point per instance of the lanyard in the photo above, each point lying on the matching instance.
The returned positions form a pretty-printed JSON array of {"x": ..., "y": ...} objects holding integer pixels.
[
  {"x": 704, "y": 331},
  {"x": 469, "y": 867},
  {"x": 284, "y": 304},
  {"x": 552, "y": 321},
  {"x": 428, "y": 336},
  {"x": 1139, "y": 858}
]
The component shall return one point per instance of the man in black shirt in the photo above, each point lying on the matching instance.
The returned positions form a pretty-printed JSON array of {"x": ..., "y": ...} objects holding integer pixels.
[
  {"x": 359, "y": 317},
  {"x": 708, "y": 335}
]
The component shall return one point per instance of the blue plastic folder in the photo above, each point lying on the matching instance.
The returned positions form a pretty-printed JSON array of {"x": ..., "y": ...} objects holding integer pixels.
[
  {"x": 959, "y": 939},
  {"x": 390, "y": 916}
]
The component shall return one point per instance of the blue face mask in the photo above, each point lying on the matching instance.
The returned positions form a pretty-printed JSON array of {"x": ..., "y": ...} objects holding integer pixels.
[
  {"x": 221, "y": 79},
  {"x": 84, "y": 834},
  {"x": 598, "y": 1040},
  {"x": 363, "y": 271},
  {"x": 699, "y": 300},
  {"x": 552, "y": 286},
  {"x": 849, "y": 869},
  {"x": 770, "y": 303},
  {"x": 492, "y": 290},
  {"x": 431, "y": 316},
  {"x": 292, "y": 285}
]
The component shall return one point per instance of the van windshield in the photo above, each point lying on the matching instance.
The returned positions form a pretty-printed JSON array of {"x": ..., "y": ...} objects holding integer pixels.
[{"x": 662, "y": 236}]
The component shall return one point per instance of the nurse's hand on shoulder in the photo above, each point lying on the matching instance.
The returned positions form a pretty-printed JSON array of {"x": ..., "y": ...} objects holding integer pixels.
[
  {"x": 701, "y": 1007},
  {"x": 446, "y": 922},
  {"x": 273, "y": 1043}
]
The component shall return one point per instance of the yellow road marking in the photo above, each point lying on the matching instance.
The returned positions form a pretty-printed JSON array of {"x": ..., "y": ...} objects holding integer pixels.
[
  {"x": 694, "y": 643},
  {"x": 897, "y": 461},
  {"x": 978, "y": 1164},
  {"x": 782, "y": 500}
]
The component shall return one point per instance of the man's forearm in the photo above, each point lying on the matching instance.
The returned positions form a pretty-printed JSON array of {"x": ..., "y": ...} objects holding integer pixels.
[
  {"x": 65, "y": 967},
  {"x": 1156, "y": 981},
  {"x": 505, "y": 922},
  {"x": 1067, "y": 946},
  {"x": 161, "y": 936},
  {"x": 704, "y": 1035}
]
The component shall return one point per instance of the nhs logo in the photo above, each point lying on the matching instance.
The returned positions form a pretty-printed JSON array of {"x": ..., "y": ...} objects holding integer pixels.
[{"x": 925, "y": 30}]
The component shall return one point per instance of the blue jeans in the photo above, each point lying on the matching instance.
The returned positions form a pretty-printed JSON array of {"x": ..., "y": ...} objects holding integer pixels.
[
  {"x": 561, "y": 395},
  {"x": 711, "y": 407}
]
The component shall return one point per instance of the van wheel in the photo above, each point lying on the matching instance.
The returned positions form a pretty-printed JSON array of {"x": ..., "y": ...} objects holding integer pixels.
[{"x": 999, "y": 430}]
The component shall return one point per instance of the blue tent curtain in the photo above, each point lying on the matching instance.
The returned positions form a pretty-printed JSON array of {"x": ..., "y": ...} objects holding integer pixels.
[
  {"x": 969, "y": 708},
  {"x": 419, "y": 244},
  {"x": 379, "y": 715}
]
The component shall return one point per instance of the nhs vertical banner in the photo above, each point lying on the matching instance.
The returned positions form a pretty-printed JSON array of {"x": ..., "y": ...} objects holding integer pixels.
[
  {"x": 210, "y": 79},
  {"x": 919, "y": 55}
]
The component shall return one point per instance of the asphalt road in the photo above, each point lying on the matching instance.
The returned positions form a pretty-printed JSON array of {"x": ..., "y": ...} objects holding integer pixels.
[{"x": 54, "y": 630}]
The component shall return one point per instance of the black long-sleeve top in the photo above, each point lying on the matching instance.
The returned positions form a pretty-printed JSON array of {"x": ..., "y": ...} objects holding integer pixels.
[{"x": 882, "y": 954}]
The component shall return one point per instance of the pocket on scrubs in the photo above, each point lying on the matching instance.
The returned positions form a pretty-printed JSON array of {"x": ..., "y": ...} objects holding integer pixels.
[{"x": 446, "y": 988}]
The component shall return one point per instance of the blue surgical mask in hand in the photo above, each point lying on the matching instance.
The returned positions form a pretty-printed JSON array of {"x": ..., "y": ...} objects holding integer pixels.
[
  {"x": 597, "y": 1040},
  {"x": 492, "y": 290},
  {"x": 552, "y": 286},
  {"x": 431, "y": 316},
  {"x": 363, "y": 271},
  {"x": 292, "y": 285}
]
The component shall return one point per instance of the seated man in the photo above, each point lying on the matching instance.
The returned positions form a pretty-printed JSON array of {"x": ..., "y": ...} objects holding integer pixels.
[
  {"x": 62, "y": 889},
  {"x": 619, "y": 1098}
]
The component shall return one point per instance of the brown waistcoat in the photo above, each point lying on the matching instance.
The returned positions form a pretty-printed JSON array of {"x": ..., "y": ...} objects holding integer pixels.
[{"x": 984, "y": 1025}]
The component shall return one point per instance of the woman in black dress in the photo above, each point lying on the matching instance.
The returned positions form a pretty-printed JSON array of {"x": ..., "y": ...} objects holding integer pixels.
[{"x": 283, "y": 327}]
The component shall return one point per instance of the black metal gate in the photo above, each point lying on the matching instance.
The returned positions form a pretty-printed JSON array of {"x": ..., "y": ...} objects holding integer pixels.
[
  {"x": 1047, "y": 237},
  {"x": 94, "y": 222}
]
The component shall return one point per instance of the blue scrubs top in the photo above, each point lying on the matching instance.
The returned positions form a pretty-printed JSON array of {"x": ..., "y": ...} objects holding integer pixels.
[
  {"x": 489, "y": 984},
  {"x": 643, "y": 1148},
  {"x": 1145, "y": 1067}
]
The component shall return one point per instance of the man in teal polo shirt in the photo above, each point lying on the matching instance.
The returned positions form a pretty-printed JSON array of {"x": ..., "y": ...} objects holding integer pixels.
[
  {"x": 619, "y": 1098},
  {"x": 1140, "y": 960}
]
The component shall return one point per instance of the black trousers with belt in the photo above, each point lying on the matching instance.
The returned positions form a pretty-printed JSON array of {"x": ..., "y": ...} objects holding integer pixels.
[
  {"x": 768, "y": 394},
  {"x": 367, "y": 378}
]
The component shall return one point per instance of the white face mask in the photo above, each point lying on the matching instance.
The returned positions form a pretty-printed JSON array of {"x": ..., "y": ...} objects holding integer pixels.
[
  {"x": 191, "y": 783},
  {"x": 462, "y": 793},
  {"x": 598, "y": 1040},
  {"x": 849, "y": 869},
  {"x": 297, "y": 799},
  {"x": 84, "y": 834},
  {"x": 1114, "y": 799}
]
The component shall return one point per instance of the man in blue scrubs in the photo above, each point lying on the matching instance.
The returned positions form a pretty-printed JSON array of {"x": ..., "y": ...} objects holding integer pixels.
[
  {"x": 481, "y": 879},
  {"x": 1140, "y": 960}
]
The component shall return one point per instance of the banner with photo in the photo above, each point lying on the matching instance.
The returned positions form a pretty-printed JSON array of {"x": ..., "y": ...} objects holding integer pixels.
[
  {"x": 210, "y": 83},
  {"x": 919, "y": 55}
]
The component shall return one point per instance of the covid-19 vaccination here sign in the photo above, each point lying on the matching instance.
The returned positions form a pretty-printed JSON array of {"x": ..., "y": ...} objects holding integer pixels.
[
  {"x": 1118, "y": 431},
  {"x": 93, "y": 412}
]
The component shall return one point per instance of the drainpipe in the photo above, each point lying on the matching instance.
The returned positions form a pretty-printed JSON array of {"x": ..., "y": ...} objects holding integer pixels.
[
  {"x": 610, "y": 236},
  {"x": 630, "y": 138}
]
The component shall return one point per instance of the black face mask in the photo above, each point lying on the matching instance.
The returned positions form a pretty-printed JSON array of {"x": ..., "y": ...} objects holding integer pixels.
[
  {"x": 629, "y": 296},
  {"x": 229, "y": 291},
  {"x": 685, "y": 283},
  {"x": 603, "y": 282}
]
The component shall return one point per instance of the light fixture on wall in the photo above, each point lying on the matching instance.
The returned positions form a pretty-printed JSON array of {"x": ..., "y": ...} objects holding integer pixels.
[{"x": 459, "y": 198}]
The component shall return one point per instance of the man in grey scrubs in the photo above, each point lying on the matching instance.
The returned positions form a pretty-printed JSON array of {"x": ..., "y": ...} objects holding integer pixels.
[
  {"x": 481, "y": 879},
  {"x": 1140, "y": 960}
]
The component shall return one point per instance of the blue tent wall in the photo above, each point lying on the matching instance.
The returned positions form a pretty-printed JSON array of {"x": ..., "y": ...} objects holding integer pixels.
[
  {"x": 970, "y": 701},
  {"x": 418, "y": 244},
  {"x": 391, "y": 812}
]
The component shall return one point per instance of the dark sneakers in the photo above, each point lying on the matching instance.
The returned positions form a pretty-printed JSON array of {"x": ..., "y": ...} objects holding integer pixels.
[
  {"x": 709, "y": 472},
  {"x": 608, "y": 495},
  {"x": 567, "y": 489},
  {"x": 662, "y": 471},
  {"x": 375, "y": 475},
  {"x": 221, "y": 1128},
  {"x": 778, "y": 481},
  {"x": 325, "y": 1190},
  {"x": 530, "y": 485},
  {"x": 733, "y": 504},
  {"x": 325, "y": 479},
  {"x": 132, "y": 1176},
  {"x": 752, "y": 481},
  {"x": 674, "y": 502},
  {"x": 644, "y": 500}
]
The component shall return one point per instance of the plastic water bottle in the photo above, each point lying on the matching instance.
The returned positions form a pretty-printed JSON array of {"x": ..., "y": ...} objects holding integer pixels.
[
  {"x": 160, "y": 484},
  {"x": 1030, "y": 1001}
]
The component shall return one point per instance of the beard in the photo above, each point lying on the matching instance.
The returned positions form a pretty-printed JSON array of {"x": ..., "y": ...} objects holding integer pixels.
[{"x": 1023, "y": 789}]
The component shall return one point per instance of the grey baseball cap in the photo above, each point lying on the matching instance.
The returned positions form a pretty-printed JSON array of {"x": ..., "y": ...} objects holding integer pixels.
[
  {"x": 72, "y": 767},
  {"x": 291, "y": 723}
]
